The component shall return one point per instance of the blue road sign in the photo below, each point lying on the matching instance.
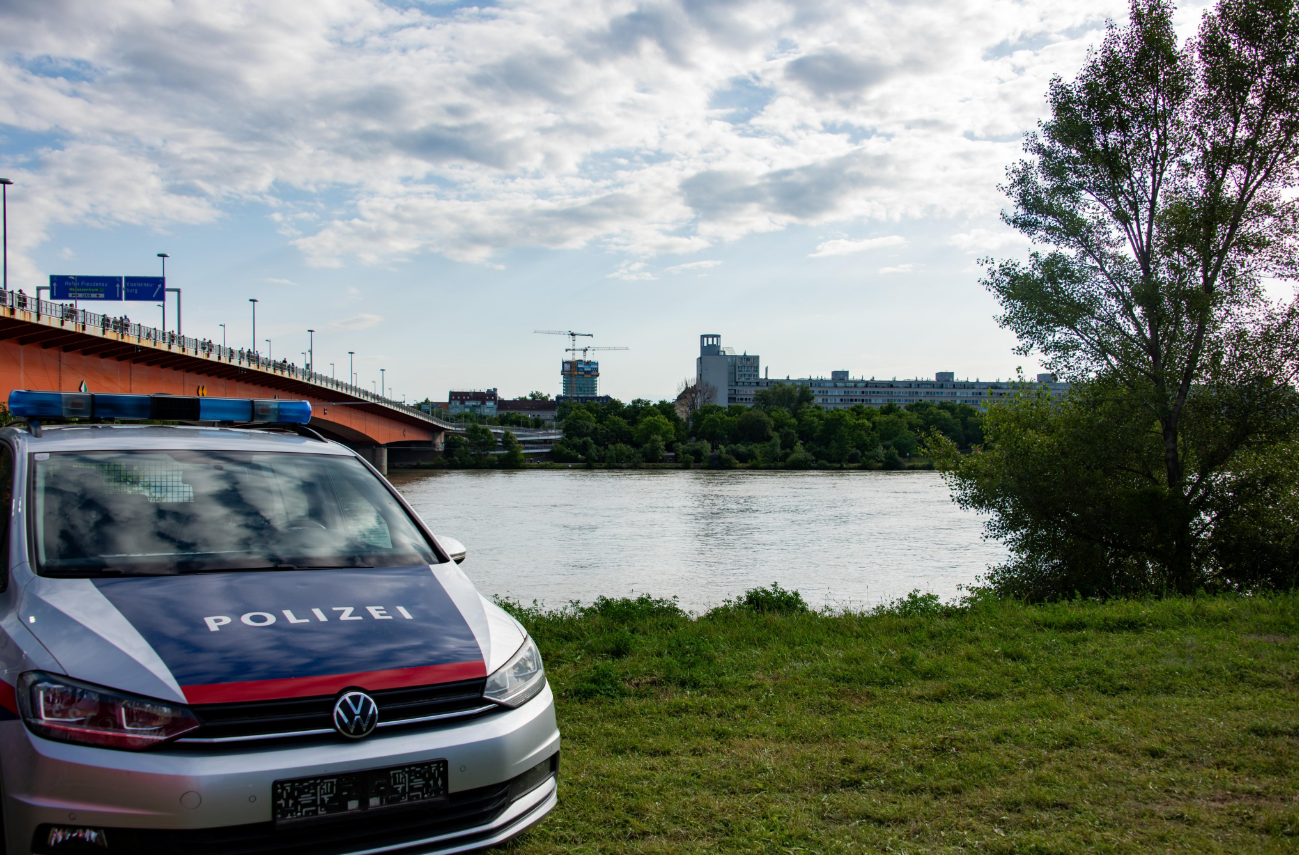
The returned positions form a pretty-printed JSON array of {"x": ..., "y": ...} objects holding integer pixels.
[
  {"x": 144, "y": 288},
  {"x": 86, "y": 287}
]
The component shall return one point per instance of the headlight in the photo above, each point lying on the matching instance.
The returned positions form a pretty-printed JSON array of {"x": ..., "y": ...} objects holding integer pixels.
[
  {"x": 70, "y": 711},
  {"x": 518, "y": 680}
]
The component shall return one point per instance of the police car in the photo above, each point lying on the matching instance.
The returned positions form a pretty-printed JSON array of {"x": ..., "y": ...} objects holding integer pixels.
[{"x": 241, "y": 639}]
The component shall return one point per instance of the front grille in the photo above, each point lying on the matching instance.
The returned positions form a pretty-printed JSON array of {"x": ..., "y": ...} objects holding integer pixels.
[
  {"x": 272, "y": 719},
  {"x": 328, "y": 835}
]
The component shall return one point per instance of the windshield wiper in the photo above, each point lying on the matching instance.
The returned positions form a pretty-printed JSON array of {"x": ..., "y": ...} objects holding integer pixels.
[{"x": 87, "y": 572}]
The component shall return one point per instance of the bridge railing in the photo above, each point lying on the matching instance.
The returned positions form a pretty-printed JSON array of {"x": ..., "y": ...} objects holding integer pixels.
[{"x": 122, "y": 325}]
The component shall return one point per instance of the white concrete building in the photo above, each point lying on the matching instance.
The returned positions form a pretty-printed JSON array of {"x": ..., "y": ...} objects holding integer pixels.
[{"x": 736, "y": 378}]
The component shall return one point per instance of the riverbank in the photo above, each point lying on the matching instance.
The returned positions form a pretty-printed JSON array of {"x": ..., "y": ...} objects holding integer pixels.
[{"x": 1119, "y": 727}]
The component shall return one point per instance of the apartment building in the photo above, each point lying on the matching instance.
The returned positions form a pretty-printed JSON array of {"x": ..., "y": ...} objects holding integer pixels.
[{"x": 737, "y": 381}]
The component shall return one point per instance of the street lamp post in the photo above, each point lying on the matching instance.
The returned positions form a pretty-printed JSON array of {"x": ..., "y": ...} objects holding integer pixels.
[
  {"x": 253, "y": 300},
  {"x": 4, "y": 203},
  {"x": 270, "y": 351},
  {"x": 164, "y": 256},
  {"x": 331, "y": 371},
  {"x": 311, "y": 350},
  {"x": 351, "y": 373},
  {"x": 223, "y": 335},
  {"x": 381, "y": 386}
]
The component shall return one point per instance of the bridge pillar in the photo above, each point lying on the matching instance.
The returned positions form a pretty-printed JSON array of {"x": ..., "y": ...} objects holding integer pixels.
[{"x": 377, "y": 456}]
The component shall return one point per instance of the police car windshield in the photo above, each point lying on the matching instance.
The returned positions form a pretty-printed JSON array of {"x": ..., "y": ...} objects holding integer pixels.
[{"x": 165, "y": 512}]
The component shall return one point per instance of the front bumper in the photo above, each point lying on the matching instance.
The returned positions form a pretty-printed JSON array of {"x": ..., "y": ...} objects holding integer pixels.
[{"x": 153, "y": 792}]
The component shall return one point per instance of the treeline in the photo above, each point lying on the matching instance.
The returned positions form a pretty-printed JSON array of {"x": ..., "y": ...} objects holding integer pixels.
[
  {"x": 480, "y": 449},
  {"x": 783, "y": 430}
]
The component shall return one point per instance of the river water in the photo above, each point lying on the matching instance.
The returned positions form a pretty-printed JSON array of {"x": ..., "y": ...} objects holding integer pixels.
[{"x": 843, "y": 539}]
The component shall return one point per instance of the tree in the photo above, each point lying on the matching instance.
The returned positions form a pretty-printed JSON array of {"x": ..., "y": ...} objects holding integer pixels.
[
  {"x": 536, "y": 396},
  {"x": 691, "y": 395},
  {"x": 654, "y": 425},
  {"x": 787, "y": 396},
  {"x": 753, "y": 426},
  {"x": 513, "y": 456},
  {"x": 481, "y": 441},
  {"x": 653, "y": 449},
  {"x": 1157, "y": 195},
  {"x": 456, "y": 449}
]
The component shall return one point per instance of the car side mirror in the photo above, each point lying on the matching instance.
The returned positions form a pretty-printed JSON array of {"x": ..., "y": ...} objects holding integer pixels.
[{"x": 454, "y": 548}]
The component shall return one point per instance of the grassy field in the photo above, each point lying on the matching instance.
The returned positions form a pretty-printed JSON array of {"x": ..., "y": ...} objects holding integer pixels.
[{"x": 1163, "y": 726}]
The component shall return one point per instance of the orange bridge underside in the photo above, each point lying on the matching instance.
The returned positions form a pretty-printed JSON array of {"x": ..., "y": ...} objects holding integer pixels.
[{"x": 56, "y": 355}]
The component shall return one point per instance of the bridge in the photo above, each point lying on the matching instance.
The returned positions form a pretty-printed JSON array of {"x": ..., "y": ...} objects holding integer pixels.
[{"x": 57, "y": 347}]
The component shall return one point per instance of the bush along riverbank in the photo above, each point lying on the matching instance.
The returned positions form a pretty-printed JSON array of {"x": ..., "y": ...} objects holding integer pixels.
[{"x": 1127, "y": 726}]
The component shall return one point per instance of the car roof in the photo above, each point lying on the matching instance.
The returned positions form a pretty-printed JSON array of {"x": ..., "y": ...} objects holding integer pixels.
[{"x": 134, "y": 437}]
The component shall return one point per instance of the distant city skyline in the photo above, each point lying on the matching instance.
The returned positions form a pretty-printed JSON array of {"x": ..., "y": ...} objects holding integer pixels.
[{"x": 426, "y": 183}]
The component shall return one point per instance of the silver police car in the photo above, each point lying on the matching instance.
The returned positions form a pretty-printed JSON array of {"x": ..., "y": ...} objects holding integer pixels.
[{"x": 240, "y": 640}]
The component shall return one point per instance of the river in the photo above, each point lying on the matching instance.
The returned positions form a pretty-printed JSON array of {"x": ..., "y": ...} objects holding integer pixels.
[{"x": 843, "y": 539}]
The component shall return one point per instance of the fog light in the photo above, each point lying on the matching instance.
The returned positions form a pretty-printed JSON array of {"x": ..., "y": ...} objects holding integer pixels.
[{"x": 72, "y": 839}]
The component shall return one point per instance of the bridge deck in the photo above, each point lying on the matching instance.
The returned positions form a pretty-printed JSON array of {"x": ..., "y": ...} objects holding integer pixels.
[{"x": 56, "y": 346}]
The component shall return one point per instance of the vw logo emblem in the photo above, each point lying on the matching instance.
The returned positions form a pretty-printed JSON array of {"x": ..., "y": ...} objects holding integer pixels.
[{"x": 356, "y": 715}]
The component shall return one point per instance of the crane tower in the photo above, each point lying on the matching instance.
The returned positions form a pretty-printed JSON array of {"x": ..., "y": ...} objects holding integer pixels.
[{"x": 580, "y": 375}]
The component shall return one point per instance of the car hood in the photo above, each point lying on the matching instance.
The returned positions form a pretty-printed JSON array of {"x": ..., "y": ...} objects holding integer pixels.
[{"x": 236, "y": 637}]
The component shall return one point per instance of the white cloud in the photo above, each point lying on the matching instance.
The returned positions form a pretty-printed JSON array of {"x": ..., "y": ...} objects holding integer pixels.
[
  {"x": 378, "y": 131},
  {"x": 694, "y": 265},
  {"x": 847, "y": 247},
  {"x": 275, "y": 281},
  {"x": 900, "y": 268},
  {"x": 362, "y": 321},
  {"x": 67, "y": 254},
  {"x": 632, "y": 271},
  {"x": 980, "y": 241}
]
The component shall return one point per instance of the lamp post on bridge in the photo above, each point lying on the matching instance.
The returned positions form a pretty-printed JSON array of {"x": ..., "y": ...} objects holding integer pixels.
[
  {"x": 223, "y": 335},
  {"x": 351, "y": 373},
  {"x": 331, "y": 371},
  {"x": 4, "y": 203},
  {"x": 381, "y": 386},
  {"x": 253, "y": 300},
  {"x": 270, "y": 350},
  {"x": 311, "y": 351},
  {"x": 164, "y": 256}
]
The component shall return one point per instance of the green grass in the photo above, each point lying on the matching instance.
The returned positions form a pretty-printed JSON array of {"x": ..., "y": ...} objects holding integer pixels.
[{"x": 1161, "y": 726}]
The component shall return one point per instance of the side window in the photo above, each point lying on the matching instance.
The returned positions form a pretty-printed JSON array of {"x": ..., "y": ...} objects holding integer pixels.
[{"x": 6, "y": 508}]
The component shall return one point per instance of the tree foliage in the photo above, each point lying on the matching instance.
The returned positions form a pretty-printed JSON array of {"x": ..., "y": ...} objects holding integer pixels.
[
  {"x": 791, "y": 434},
  {"x": 1159, "y": 197}
]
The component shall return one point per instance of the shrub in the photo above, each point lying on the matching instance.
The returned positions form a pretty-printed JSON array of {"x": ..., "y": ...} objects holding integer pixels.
[
  {"x": 769, "y": 601},
  {"x": 914, "y": 604}
]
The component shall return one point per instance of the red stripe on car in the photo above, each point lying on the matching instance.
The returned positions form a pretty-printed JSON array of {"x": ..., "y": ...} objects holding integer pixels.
[{"x": 306, "y": 687}]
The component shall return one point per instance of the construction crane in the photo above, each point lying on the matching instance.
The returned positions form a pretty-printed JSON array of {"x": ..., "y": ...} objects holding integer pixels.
[
  {"x": 588, "y": 349},
  {"x": 573, "y": 336},
  {"x": 573, "y": 368}
]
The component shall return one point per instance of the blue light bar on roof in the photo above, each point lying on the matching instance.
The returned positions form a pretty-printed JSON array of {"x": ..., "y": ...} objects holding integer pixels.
[{"x": 180, "y": 408}]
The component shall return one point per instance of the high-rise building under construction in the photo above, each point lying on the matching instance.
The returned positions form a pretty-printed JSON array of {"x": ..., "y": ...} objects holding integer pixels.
[{"x": 581, "y": 377}]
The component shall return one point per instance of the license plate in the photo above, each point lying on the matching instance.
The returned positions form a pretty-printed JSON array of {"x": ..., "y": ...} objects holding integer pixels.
[{"x": 353, "y": 792}]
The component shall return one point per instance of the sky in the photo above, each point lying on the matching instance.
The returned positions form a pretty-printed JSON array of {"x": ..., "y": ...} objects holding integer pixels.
[{"x": 425, "y": 184}]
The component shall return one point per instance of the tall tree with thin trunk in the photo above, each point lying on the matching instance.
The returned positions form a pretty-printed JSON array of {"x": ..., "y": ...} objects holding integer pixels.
[{"x": 1160, "y": 196}]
